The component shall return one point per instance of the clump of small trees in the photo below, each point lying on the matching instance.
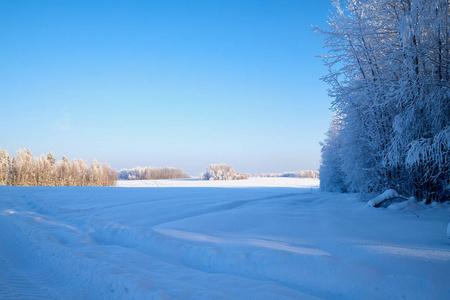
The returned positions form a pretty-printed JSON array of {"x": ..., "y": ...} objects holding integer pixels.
[
  {"x": 389, "y": 75},
  {"x": 147, "y": 173},
  {"x": 26, "y": 170},
  {"x": 221, "y": 172}
]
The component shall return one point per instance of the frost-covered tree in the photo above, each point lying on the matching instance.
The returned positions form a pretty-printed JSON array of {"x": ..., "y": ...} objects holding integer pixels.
[
  {"x": 221, "y": 172},
  {"x": 22, "y": 169},
  {"x": 63, "y": 171},
  {"x": 5, "y": 167},
  {"x": 51, "y": 158},
  {"x": 79, "y": 170},
  {"x": 42, "y": 169},
  {"x": 332, "y": 177},
  {"x": 389, "y": 76}
]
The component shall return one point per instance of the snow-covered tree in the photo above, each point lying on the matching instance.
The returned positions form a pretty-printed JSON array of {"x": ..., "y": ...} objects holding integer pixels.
[
  {"x": 5, "y": 167},
  {"x": 389, "y": 75},
  {"x": 332, "y": 177},
  {"x": 51, "y": 158},
  {"x": 22, "y": 168},
  {"x": 221, "y": 172},
  {"x": 63, "y": 171}
]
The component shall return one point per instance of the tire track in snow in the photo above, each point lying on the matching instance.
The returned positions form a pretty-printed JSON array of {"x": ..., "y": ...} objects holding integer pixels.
[
  {"x": 248, "y": 259},
  {"x": 48, "y": 260},
  {"x": 224, "y": 207},
  {"x": 20, "y": 275},
  {"x": 207, "y": 258}
]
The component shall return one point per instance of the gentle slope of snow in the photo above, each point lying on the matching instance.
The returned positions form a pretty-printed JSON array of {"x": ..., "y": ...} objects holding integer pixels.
[{"x": 223, "y": 241}]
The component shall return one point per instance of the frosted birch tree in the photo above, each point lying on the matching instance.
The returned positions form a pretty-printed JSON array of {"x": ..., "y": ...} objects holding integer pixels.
[{"x": 389, "y": 75}]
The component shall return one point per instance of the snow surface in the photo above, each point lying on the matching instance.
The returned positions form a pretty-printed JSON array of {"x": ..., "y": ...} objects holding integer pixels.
[
  {"x": 223, "y": 240},
  {"x": 251, "y": 182}
]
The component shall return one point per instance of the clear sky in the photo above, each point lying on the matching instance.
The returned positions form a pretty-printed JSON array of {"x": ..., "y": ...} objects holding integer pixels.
[{"x": 165, "y": 83}]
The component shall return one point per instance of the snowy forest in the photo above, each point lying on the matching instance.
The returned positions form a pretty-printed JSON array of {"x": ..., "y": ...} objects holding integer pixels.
[
  {"x": 389, "y": 77},
  {"x": 26, "y": 170}
]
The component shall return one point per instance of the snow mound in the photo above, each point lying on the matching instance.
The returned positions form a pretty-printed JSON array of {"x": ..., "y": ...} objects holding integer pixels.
[
  {"x": 387, "y": 198},
  {"x": 410, "y": 205}
]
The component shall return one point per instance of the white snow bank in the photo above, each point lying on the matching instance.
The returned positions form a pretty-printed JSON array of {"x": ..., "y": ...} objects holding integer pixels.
[{"x": 410, "y": 205}]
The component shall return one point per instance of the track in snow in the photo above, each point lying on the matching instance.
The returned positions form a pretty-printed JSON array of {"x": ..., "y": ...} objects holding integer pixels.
[{"x": 215, "y": 243}]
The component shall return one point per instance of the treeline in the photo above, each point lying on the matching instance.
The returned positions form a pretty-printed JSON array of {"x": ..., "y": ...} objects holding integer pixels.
[
  {"x": 148, "y": 173},
  {"x": 26, "y": 170},
  {"x": 296, "y": 174},
  {"x": 389, "y": 63}
]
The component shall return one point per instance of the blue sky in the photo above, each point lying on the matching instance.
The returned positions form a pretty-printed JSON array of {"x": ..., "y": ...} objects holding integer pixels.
[{"x": 165, "y": 83}]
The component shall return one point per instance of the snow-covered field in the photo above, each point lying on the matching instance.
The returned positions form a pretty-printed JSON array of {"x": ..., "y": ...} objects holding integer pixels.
[
  {"x": 262, "y": 238},
  {"x": 251, "y": 182}
]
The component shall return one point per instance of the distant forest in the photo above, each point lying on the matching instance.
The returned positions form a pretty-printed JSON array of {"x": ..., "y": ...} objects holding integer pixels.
[
  {"x": 389, "y": 75},
  {"x": 147, "y": 173},
  {"x": 26, "y": 170},
  {"x": 297, "y": 174}
]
